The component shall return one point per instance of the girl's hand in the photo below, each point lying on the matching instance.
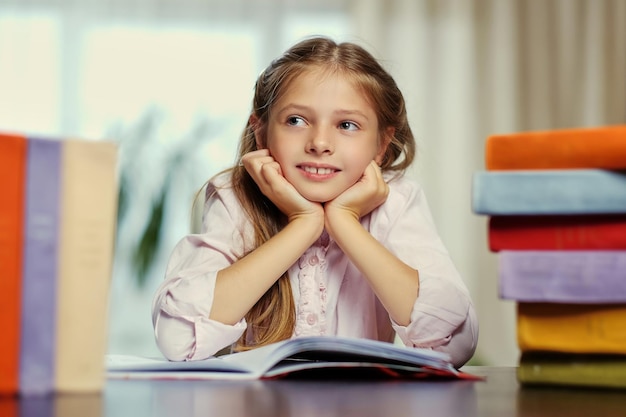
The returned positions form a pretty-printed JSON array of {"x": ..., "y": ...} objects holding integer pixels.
[
  {"x": 267, "y": 174},
  {"x": 364, "y": 196}
]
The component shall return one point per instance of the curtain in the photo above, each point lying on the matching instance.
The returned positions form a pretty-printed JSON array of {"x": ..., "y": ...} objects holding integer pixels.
[{"x": 471, "y": 68}]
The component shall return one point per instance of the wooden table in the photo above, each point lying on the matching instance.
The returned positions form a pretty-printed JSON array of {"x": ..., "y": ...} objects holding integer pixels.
[{"x": 499, "y": 395}]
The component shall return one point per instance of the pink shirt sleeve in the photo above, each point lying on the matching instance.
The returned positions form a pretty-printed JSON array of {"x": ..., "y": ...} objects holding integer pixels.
[
  {"x": 182, "y": 303},
  {"x": 443, "y": 317}
]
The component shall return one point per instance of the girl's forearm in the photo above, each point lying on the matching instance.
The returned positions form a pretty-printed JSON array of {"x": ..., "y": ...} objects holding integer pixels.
[
  {"x": 395, "y": 283},
  {"x": 242, "y": 284}
]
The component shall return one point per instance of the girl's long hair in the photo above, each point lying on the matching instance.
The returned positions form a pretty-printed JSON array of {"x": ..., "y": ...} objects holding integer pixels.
[{"x": 272, "y": 318}]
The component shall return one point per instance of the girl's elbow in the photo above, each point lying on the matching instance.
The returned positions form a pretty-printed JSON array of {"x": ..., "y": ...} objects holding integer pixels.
[
  {"x": 462, "y": 344},
  {"x": 175, "y": 340}
]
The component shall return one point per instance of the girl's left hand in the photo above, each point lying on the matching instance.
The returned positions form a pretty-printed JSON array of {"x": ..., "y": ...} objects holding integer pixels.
[{"x": 364, "y": 196}]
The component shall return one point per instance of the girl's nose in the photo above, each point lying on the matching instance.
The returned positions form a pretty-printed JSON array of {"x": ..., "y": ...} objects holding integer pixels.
[{"x": 320, "y": 142}]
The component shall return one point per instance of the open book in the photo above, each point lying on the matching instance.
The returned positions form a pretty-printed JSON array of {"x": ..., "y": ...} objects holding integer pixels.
[{"x": 314, "y": 356}]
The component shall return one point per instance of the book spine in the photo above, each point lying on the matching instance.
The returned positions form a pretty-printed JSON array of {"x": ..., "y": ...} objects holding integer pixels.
[
  {"x": 576, "y": 232},
  {"x": 602, "y": 371},
  {"x": 571, "y": 328},
  {"x": 90, "y": 405},
  {"x": 11, "y": 408},
  {"x": 577, "y": 277},
  {"x": 549, "y": 192},
  {"x": 601, "y": 147},
  {"x": 39, "y": 281},
  {"x": 89, "y": 202},
  {"x": 12, "y": 174}
]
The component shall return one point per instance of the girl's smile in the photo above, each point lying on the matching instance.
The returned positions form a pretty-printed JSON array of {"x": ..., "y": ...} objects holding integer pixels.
[{"x": 318, "y": 172}]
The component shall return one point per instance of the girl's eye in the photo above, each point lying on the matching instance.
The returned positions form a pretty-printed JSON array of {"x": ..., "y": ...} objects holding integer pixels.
[
  {"x": 348, "y": 126},
  {"x": 294, "y": 120}
]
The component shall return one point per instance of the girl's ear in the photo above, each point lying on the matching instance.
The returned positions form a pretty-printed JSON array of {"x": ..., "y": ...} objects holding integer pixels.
[
  {"x": 385, "y": 140},
  {"x": 257, "y": 128}
]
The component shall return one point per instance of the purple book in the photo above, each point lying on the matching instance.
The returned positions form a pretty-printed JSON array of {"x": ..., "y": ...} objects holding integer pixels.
[
  {"x": 39, "y": 281},
  {"x": 594, "y": 276}
]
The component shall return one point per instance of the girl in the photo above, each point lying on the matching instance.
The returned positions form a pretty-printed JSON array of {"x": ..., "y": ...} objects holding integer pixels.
[{"x": 316, "y": 231}]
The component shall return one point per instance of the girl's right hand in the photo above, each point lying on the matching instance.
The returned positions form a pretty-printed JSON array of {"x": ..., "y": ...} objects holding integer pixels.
[{"x": 267, "y": 174}]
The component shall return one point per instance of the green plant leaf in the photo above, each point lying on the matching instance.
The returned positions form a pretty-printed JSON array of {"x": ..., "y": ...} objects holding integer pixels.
[{"x": 150, "y": 240}]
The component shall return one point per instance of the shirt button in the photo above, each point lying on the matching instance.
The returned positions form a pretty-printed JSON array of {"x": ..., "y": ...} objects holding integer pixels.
[
  {"x": 314, "y": 260},
  {"x": 311, "y": 319}
]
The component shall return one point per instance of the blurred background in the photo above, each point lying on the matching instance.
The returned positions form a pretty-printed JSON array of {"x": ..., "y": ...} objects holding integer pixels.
[{"x": 171, "y": 82}]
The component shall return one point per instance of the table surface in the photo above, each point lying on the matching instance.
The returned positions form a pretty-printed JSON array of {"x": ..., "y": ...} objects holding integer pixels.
[{"x": 498, "y": 395}]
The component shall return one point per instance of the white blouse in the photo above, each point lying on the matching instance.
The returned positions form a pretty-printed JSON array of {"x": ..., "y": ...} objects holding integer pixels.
[{"x": 331, "y": 295}]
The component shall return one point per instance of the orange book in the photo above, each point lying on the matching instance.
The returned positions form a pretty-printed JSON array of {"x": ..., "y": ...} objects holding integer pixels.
[
  {"x": 600, "y": 147},
  {"x": 571, "y": 328},
  {"x": 9, "y": 407},
  {"x": 12, "y": 175}
]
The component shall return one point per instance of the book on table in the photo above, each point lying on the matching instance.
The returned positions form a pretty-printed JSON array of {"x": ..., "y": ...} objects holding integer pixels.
[
  {"x": 549, "y": 192},
  {"x": 557, "y": 232},
  {"x": 565, "y": 276},
  {"x": 40, "y": 276},
  {"x": 571, "y": 328},
  {"x": 567, "y": 369},
  {"x": 591, "y": 147},
  {"x": 12, "y": 178},
  {"x": 87, "y": 238},
  {"x": 313, "y": 356}
]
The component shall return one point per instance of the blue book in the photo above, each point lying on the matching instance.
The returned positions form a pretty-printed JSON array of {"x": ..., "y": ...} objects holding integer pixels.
[
  {"x": 539, "y": 192},
  {"x": 39, "y": 279}
]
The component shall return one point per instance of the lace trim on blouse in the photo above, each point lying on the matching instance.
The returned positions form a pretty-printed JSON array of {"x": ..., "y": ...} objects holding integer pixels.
[{"x": 313, "y": 282}]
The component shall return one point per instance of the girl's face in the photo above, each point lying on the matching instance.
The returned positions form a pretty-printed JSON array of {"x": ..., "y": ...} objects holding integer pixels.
[{"x": 323, "y": 132}]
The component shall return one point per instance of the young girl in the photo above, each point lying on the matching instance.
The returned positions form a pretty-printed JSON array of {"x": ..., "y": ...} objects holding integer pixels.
[{"x": 316, "y": 231}]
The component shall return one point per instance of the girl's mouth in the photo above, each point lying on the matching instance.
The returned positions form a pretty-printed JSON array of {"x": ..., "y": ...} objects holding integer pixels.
[{"x": 318, "y": 170}]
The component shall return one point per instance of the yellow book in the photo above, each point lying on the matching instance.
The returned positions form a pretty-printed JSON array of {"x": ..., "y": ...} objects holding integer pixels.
[
  {"x": 573, "y": 328},
  {"x": 87, "y": 231}
]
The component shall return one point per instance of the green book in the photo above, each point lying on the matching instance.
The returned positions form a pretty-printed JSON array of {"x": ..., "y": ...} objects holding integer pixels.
[{"x": 565, "y": 369}]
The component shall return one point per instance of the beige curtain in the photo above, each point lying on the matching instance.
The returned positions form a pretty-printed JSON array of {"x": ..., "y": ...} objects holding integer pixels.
[{"x": 471, "y": 68}]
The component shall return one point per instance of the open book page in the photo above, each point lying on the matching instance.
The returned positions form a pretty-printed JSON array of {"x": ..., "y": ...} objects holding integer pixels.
[
  {"x": 139, "y": 367},
  {"x": 290, "y": 357},
  {"x": 141, "y": 363},
  {"x": 320, "y": 351}
]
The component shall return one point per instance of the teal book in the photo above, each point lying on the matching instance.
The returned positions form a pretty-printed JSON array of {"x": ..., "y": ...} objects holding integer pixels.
[{"x": 549, "y": 192}]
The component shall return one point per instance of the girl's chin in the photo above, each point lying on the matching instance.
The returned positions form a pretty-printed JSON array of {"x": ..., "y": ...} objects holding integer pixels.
[{"x": 318, "y": 197}]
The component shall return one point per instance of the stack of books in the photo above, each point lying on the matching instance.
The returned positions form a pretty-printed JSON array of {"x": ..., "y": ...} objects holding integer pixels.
[
  {"x": 57, "y": 228},
  {"x": 556, "y": 202}
]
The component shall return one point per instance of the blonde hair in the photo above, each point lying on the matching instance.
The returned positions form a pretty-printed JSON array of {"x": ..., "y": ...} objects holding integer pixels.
[{"x": 272, "y": 318}]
